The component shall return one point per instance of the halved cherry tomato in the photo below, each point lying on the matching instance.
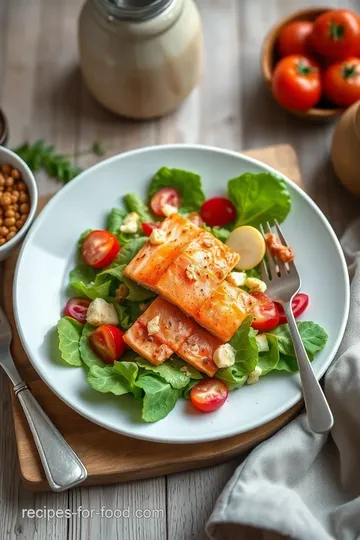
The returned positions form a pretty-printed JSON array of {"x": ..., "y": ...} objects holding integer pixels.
[
  {"x": 336, "y": 34},
  {"x": 342, "y": 82},
  {"x": 296, "y": 83},
  {"x": 266, "y": 314},
  {"x": 295, "y": 38},
  {"x": 218, "y": 211},
  {"x": 209, "y": 395},
  {"x": 107, "y": 341},
  {"x": 77, "y": 308},
  {"x": 149, "y": 227},
  {"x": 100, "y": 248},
  {"x": 299, "y": 304},
  {"x": 195, "y": 218},
  {"x": 166, "y": 195}
]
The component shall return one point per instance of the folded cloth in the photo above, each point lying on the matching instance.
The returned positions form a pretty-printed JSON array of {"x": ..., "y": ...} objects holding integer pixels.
[{"x": 300, "y": 484}]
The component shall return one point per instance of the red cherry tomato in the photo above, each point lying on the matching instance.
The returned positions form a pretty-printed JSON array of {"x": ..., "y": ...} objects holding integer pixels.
[
  {"x": 164, "y": 196},
  {"x": 218, "y": 211},
  {"x": 209, "y": 395},
  {"x": 195, "y": 218},
  {"x": 295, "y": 38},
  {"x": 100, "y": 248},
  {"x": 296, "y": 83},
  {"x": 342, "y": 82},
  {"x": 299, "y": 304},
  {"x": 77, "y": 308},
  {"x": 108, "y": 343},
  {"x": 149, "y": 227},
  {"x": 266, "y": 314},
  {"x": 336, "y": 34}
]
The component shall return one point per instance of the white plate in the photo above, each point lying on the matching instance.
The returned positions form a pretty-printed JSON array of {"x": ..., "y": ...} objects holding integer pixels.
[{"x": 48, "y": 255}]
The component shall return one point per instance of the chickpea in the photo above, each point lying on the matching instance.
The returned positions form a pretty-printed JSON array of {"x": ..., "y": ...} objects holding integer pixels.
[
  {"x": 2, "y": 241},
  {"x": 13, "y": 229},
  {"x": 21, "y": 186},
  {"x": 23, "y": 218},
  {"x": 10, "y": 236},
  {"x": 9, "y": 181},
  {"x": 15, "y": 207},
  {"x": 24, "y": 208},
  {"x": 19, "y": 223},
  {"x": 1, "y": 222},
  {"x": 17, "y": 214},
  {"x": 9, "y": 222},
  {"x": 15, "y": 174},
  {"x": 15, "y": 196},
  {"x": 6, "y": 169},
  {"x": 3, "y": 231},
  {"x": 1, "y": 210},
  {"x": 2, "y": 180},
  {"x": 10, "y": 213},
  {"x": 5, "y": 200},
  {"x": 23, "y": 197}
]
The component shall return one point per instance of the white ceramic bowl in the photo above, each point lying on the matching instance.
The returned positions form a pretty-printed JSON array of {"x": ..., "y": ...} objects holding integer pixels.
[
  {"x": 7, "y": 156},
  {"x": 49, "y": 252}
]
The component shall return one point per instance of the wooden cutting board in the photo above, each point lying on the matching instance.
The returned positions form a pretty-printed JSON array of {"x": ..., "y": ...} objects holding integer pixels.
[{"x": 110, "y": 457}]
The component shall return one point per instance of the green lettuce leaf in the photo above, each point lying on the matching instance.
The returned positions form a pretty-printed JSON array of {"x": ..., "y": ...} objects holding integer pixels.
[
  {"x": 187, "y": 184},
  {"x": 269, "y": 360},
  {"x": 128, "y": 252},
  {"x": 134, "y": 203},
  {"x": 88, "y": 356},
  {"x": 313, "y": 336},
  {"x": 129, "y": 370},
  {"x": 219, "y": 232},
  {"x": 136, "y": 292},
  {"x": 171, "y": 371},
  {"x": 106, "y": 379},
  {"x": 82, "y": 279},
  {"x": 69, "y": 332},
  {"x": 259, "y": 198},
  {"x": 159, "y": 399},
  {"x": 187, "y": 390},
  {"x": 115, "y": 220},
  {"x": 82, "y": 238}
]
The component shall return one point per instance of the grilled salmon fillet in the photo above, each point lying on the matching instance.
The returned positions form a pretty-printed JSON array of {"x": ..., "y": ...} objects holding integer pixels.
[{"x": 176, "y": 332}]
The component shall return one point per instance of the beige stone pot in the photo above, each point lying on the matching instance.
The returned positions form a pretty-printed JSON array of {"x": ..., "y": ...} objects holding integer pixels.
[{"x": 345, "y": 149}]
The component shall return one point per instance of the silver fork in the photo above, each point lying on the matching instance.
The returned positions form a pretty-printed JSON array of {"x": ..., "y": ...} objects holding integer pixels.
[
  {"x": 62, "y": 466},
  {"x": 283, "y": 283}
]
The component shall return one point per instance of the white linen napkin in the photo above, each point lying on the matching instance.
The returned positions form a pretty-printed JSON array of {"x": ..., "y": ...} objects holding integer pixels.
[{"x": 299, "y": 484}]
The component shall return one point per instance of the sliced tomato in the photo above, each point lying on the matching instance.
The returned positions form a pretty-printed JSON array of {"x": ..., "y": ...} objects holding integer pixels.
[
  {"x": 166, "y": 195},
  {"x": 299, "y": 304},
  {"x": 77, "y": 308},
  {"x": 209, "y": 395},
  {"x": 100, "y": 248},
  {"x": 196, "y": 219},
  {"x": 218, "y": 211},
  {"x": 149, "y": 227},
  {"x": 108, "y": 343},
  {"x": 266, "y": 314}
]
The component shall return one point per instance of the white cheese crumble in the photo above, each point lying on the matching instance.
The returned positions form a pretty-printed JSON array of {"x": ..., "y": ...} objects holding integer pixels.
[
  {"x": 153, "y": 326},
  {"x": 157, "y": 237},
  {"x": 101, "y": 312},
  {"x": 224, "y": 356},
  {"x": 255, "y": 284},
  {"x": 254, "y": 376},
  {"x": 192, "y": 272},
  {"x": 169, "y": 210},
  {"x": 237, "y": 279},
  {"x": 131, "y": 223},
  {"x": 262, "y": 342}
]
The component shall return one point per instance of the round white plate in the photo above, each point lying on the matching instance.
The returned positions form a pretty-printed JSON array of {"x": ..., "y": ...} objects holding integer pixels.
[{"x": 48, "y": 254}]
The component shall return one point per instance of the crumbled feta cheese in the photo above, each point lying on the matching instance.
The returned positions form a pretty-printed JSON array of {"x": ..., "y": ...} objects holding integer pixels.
[
  {"x": 262, "y": 342},
  {"x": 192, "y": 272},
  {"x": 131, "y": 223},
  {"x": 255, "y": 284},
  {"x": 153, "y": 326},
  {"x": 236, "y": 278},
  {"x": 101, "y": 312},
  {"x": 121, "y": 292},
  {"x": 169, "y": 210},
  {"x": 157, "y": 237},
  {"x": 254, "y": 376},
  {"x": 224, "y": 356}
]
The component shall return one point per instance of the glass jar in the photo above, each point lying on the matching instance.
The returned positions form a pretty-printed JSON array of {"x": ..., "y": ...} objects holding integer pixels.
[{"x": 140, "y": 58}]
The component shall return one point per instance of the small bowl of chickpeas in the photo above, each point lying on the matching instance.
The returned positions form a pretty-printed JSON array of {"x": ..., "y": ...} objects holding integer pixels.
[{"x": 18, "y": 200}]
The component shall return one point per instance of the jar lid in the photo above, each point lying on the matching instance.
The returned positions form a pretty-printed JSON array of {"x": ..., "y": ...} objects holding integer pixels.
[{"x": 134, "y": 10}]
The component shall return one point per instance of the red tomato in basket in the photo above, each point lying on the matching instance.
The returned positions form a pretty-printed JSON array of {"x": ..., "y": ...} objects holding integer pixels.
[
  {"x": 108, "y": 343},
  {"x": 100, "y": 248},
  {"x": 336, "y": 34},
  {"x": 295, "y": 38},
  {"x": 209, "y": 395},
  {"x": 342, "y": 82}
]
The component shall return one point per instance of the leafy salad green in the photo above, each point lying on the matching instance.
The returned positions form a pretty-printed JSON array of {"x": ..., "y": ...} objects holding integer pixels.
[{"x": 157, "y": 388}]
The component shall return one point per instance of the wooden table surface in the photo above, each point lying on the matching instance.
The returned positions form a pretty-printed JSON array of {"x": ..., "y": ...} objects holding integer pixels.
[{"x": 43, "y": 95}]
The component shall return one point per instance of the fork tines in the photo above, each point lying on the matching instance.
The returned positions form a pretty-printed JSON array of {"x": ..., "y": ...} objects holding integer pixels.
[{"x": 274, "y": 268}]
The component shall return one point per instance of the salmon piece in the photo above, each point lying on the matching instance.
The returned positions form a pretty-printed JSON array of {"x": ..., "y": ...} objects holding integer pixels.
[
  {"x": 224, "y": 311},
  {"x": 186, "y": 285},
  {"x": 152, "y": 260},
  {"x": 175, "y": 327},
  {"x": 147, "y": 346},
  {"x": 198, "y": 350},
  {"x": 212, "y": 256}
]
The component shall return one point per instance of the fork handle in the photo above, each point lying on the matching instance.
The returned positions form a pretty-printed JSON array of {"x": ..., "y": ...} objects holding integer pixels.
[
  {"x": 62, "y": 466},
  {"x": 317, "y": 407}
]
